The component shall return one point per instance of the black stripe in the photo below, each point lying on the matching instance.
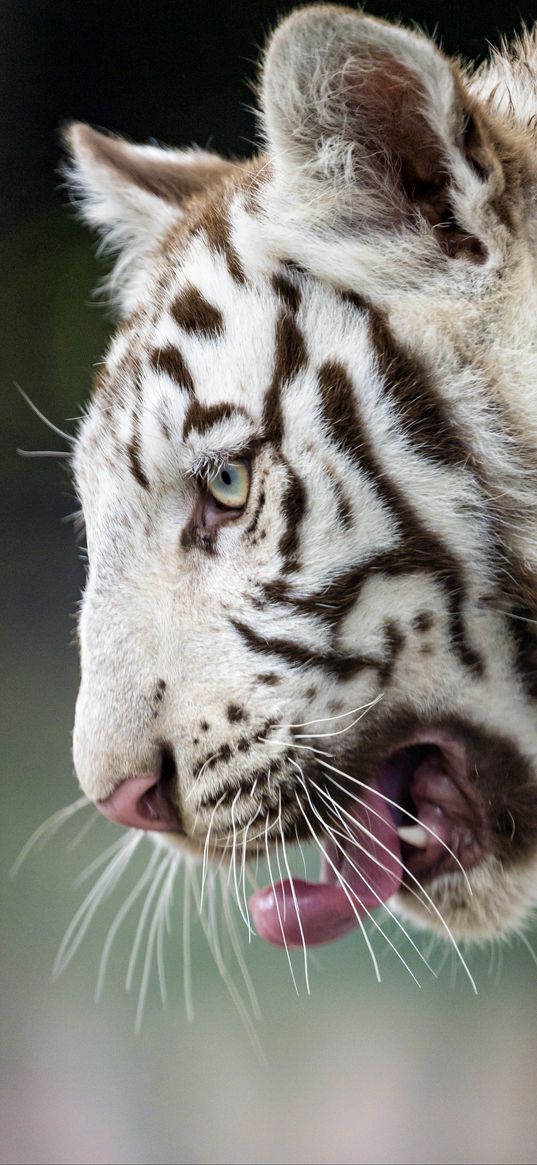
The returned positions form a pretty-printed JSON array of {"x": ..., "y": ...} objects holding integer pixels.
[
  {"x": 170, "y": 360},
  {"x": 421, "y": 411},
  {"x": 425, "y": 550},
  {"x": 202, "y": 417},
  {"x": 332, "y": 662}
]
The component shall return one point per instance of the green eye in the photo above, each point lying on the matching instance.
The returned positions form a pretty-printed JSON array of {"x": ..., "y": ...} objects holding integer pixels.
[{"x": 231, "y": 485}]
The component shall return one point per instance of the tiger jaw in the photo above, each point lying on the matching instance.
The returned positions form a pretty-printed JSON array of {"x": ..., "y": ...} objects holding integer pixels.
[{"x": 431, "y": 812}]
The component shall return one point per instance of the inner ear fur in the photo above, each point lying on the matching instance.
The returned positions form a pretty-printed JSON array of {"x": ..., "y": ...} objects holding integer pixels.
[{"x": 379, "y": 112}]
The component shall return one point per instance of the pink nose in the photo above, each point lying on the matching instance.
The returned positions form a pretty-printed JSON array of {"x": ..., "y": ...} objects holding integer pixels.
[{"x": 141, "y": 803}]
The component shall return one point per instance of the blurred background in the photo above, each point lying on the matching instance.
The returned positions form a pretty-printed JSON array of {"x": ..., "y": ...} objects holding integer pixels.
[{"x": 357, "y": 1072}]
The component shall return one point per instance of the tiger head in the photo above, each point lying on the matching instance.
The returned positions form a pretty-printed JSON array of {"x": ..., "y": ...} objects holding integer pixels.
[{"x": 308, "y": 475}]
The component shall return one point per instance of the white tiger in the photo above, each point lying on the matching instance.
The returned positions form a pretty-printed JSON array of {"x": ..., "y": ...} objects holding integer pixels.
[{"x": 309, "y": 478}]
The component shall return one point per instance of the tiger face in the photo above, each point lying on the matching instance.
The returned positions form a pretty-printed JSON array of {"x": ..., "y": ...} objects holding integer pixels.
[{"x": 308, "y": 474}]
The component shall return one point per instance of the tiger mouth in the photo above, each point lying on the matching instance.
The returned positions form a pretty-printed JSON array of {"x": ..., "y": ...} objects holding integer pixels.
[{"x": 420, "y": 816}]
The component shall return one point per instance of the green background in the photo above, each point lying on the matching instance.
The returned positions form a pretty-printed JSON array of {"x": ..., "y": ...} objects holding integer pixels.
[{"x": 357, "y": 1072}]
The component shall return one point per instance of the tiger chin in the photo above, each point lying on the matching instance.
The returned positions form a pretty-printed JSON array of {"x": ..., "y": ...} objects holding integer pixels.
[{"x": 308, "y": 472}]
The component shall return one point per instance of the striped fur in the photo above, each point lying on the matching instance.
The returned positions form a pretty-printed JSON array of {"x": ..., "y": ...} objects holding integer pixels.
[{"x": 355, "y": 314}]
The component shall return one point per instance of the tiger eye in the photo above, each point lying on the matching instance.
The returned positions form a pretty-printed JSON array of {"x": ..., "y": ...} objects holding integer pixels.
[{"x": 231, "y": 485}]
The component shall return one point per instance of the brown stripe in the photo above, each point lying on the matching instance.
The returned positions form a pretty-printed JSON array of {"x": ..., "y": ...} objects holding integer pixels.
[
  {"x": 343, "y": 666},
  {"x": 521, "y": 623},
  {"x": 421, "y": 411},
  {"x": 290, "y": 357},
  {"x": 195, "y": 314},
  {"x": 133, "y": 450},
  {"x": 293, "y": 508},
  {"x": 133, "y": 447},
  {"x": 169, "y": 360},
  {"x": 395, "y": 642},
  {"x": 202, "y": 417},
  {"x": 287, "y": 292},
  {"x": 215, "y": 225},
  {"x": 426, "y": 550},
  {"x": 257, "y": 514}
]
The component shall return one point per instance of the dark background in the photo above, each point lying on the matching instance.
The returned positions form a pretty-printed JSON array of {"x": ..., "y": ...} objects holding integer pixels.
[{"x": 358, "y": 1073}]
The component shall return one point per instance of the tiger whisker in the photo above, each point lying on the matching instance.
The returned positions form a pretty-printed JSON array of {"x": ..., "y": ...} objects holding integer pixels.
[
  {"x": 121, "y": 914},
  {"x": 47, "y": 829},
  {"x": 163, "y": 915},
  {"x": 334, "y": 833},
  {"x": 104, "y": 885},
  {"x": 187, "y": 965},
  {"x": 82, "y": 832},
  {"x": 301, "y": 853},
  {"x": 395, "y": 805},
  {"x": 150, "y": 945},
  {"x": 235, "y": 943},
  {"x": 109, "y": 852},
  {"x": 278, "y": 907},
  {"x": 242, "y": 911},
  {"x": 59, "y": 454},
  {"x": 363, "y": 829},
  {"x": 293, "y": 892},
  {"x": 206, "y": 846},
  {"x": 351, "y": 903},
  {"x": 340, "y": 716},
  {"x": 142, "y": 920},
  {"x": 213, "y": 943},
  {"x": 376, "y": 924},
  {"x": 50, "y": 424},
  {"x": 431, "y": 903},
  {"x": 200, "y": 774},
  {"x": 243, "y": 866}
]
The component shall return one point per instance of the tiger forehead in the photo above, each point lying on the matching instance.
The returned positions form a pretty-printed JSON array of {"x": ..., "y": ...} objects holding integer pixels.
[{"x": 200, "y": 370}]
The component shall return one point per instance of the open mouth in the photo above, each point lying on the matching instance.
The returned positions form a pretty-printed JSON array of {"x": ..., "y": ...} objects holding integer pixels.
[{"x": 419, "y": 816}]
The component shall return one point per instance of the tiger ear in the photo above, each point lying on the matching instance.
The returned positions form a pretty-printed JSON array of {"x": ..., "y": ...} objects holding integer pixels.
[
  {"x": 374, "y": 125},
  {"x": 132, "y": 195}
]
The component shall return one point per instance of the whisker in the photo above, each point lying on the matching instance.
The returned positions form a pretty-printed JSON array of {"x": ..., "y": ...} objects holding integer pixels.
[
  {"x": 235, "y": 943},
  {"x": 243, "y": 868},
  {"x": 386, "y": 938},
  {"x": 50, "y": 425},
  {"x": 150, "y": 948},
  {"x": 421, "y": 888},
  {"x": 278, "y": 907},
  {"x": 385, "y": 906},
  {"x": 59, "y": 454},
  {"x": 200, "y": 774},
  {"x": 339, "y": 731},
  {"x": 97, "y": 862},
  {"x": 389, "y": 801},
  {"x": 163, "y": 916},
  {"x": 206, "y": 847},
  {"x": 142, "y": 920},
  {"x": 526, "y": 943},
  {"x": 82, "y": 832},
  {"x": 120, "y": 916},
  {"x": 340, "y": 716},
  {"x": 367, "y": 832},
  {"x": 293, "y": 892},
  {"x": 104, "y": 885},
  {"x": 243, "y": 913},
  {"x": 187, "y": 963},
  {"x": 351, "y": 903},
  {"x": 213, "y": 943},
  {"x": 46, "y": 830}
]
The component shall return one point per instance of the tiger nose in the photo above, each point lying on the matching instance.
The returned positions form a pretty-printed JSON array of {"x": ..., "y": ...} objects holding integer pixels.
[{"x": 141, "y": 803}]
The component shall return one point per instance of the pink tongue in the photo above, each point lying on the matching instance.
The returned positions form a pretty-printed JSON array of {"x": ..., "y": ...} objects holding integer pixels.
[{"x": 353, "y": 883}]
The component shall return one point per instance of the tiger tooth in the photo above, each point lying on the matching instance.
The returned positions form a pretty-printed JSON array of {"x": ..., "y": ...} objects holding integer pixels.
[{"x": 413, "y": 834}]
